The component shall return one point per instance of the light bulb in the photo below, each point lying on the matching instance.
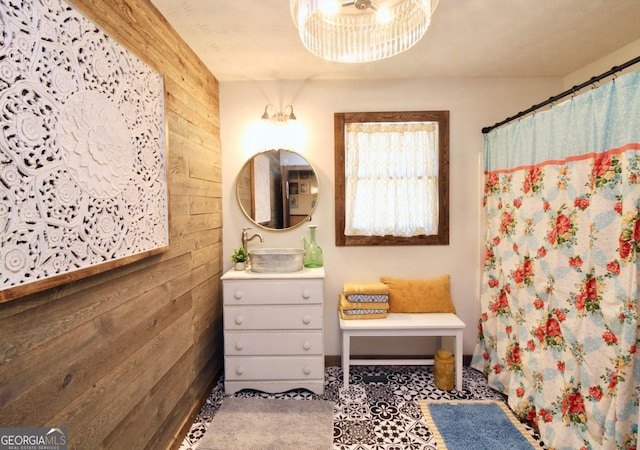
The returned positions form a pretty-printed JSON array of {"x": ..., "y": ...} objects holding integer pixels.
[
  {"x": 383, "y": 15},
  {"x": 330, "y": 7}
]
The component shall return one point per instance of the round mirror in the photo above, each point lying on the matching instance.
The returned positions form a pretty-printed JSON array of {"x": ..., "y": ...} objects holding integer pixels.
[{"x": 277, "y": 189}]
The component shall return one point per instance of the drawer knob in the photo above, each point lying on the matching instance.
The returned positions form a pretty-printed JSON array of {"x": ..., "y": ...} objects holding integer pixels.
[
  {"x": 306, "y": 320},
  {"x": 306, "y": 370},
  {"x": 306, "y": 293},
  {"x": 238, "y": 294},
  {"x": 306, "y": 346},
  {"x": 239, "y": 320},
  {"x": 239, "y": 370},
  {"x": 239, "y": 345}
]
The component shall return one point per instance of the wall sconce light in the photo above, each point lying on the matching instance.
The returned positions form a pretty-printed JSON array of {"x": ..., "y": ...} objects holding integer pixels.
[
  {"x": 271, "y": 113},
  {"x": 276, "y": 130}
]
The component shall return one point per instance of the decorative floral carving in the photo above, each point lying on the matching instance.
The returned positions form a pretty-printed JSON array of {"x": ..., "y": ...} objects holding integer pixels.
[
  {"x": 82, "y": 168},
  {"x": 95, "y": 144}
]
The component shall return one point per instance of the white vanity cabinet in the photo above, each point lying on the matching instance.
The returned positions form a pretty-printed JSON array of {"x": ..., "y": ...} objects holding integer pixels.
[{"x": 274, "y": 330}]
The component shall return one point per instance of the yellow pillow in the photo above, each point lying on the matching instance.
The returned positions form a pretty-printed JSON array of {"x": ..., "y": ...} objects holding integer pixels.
[{"x": 420, "y": 296}]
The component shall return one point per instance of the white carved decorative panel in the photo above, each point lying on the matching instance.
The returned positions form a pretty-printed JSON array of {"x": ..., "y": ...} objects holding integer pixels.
[{"x": 82, "y": 149}]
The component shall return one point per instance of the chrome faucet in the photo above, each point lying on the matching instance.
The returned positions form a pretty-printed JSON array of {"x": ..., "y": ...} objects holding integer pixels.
[{"x": 246, "y": 238}]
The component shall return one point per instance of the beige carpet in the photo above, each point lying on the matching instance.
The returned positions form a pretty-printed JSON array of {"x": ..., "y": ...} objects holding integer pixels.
[{"x": 270, "y": 424}]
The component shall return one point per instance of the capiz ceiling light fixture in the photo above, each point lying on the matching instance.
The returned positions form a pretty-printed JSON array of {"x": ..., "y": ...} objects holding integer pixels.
[{"x": 361, "y": 30}]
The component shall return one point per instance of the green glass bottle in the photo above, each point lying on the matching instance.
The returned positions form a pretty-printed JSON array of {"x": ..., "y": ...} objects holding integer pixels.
[{"x": 312, "y": 251}]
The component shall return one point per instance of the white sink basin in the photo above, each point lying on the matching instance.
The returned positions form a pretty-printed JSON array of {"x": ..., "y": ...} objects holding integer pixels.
[{"x": 275, "y": 260}]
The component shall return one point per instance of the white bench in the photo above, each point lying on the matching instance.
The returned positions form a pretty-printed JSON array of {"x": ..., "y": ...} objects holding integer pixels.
[{"x": 402, "y": 324}]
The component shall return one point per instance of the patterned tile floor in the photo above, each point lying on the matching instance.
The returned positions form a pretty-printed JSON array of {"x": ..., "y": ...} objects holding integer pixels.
[{"x": 379, "y": 410}]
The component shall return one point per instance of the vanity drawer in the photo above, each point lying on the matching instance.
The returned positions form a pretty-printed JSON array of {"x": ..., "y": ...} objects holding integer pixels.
[
  {"x": 273, "y": 368},
  {"x": 273, "y": 292},
  {"x": 273, "y": 343},
  {"x": 274, "y": 318}
]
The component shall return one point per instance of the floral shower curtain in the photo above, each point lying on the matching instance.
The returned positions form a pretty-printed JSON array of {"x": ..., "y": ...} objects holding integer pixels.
[{"x": 558, "y": 331}]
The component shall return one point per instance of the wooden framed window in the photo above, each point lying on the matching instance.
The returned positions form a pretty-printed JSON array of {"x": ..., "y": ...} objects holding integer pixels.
[{"x": 392, "y": 178}]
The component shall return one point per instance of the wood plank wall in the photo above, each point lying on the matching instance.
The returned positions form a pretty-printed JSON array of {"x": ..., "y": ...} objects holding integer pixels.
[{"x": 123, "y": 359}]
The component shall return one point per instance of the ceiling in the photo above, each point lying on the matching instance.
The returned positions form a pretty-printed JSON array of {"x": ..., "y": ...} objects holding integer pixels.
[{"x": 257, "y": 40}]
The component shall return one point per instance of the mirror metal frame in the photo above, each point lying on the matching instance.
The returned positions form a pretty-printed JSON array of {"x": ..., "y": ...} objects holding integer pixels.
[{"x": 248, "y": 215}]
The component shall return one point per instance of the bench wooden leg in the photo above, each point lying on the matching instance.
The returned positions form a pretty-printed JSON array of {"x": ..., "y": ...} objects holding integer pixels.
[{"x": 346, "y": 349}]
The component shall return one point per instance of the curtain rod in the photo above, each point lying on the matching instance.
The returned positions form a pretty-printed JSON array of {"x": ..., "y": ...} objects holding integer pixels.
[{"x": 566, "y": 93}]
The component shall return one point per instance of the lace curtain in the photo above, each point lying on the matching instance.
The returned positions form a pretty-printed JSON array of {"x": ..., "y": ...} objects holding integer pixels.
[
  {"x": 391, "y": 174},
  {"x": 558, "y": 331}
]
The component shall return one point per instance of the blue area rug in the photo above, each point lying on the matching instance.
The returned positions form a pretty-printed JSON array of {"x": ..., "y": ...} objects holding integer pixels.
[{"x": 475, "y": 424}]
